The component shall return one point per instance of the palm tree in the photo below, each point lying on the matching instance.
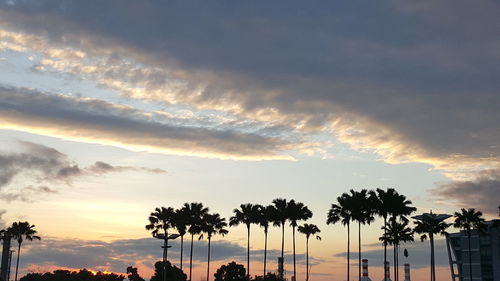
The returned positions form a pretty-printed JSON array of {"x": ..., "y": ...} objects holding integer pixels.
[
  {"x": 279, "y": 219},
  {"x": 264, "y": 217},
  {"x": 308, "y": 230},
  {"x": 213, "y": 224},
  {"x": 160, "y": 221},
  {"x": 181, "y": 222},
  {"x": 297, "y": 212},
  {"x": 389, "y": 203},
  {"x": 21, "y": 231},
  {"x": 342, "y": 212},
  {"x": 395, "y": 232},
  {"x": 362, "y": 212},
  {"x": 195, "y": 213},
  {"x": 468, "y": 220},
  {"x": 429, "y": 223},
  {"x": 247, "y": 214}
]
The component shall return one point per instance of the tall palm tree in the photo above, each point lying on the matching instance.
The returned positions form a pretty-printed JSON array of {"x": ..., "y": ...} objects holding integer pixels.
[
  {"x": 431, "y": 224},
  {"x": 213, "y": 224},
  {"x": 468, "y": 220},
  {"x": 389, "y": 203},
  {"x": 297, "y": 212},
  {"x": 160, "y": 220},
  {"x": 195, "y": 213},
  {"x": 21, "y": 231},
  {"x": 362, "y": 213},
  {"x": 342, "y": 212},
  {"x": 264, "y": 217},
  {"x": 279, "y": 218},
  {"x": 396, "y": 232},
  {"x": 247, "y": 214},
  {"x": 180, "y": 223},
  {"x": 308, "y": 230}
]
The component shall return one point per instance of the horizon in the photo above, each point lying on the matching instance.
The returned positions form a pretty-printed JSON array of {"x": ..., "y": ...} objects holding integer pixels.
[{"x": 110, "y": 110}]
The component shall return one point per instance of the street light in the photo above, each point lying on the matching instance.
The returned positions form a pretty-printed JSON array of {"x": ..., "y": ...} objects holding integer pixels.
[{"x": 165, "y": 249}]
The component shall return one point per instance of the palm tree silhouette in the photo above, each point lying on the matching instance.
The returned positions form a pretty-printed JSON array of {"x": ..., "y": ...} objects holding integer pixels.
[
  {"x": 247, "y": 214},
  {"x": 264, "y": 217},
  {"x": 212, "y": 224},
  {"x": 389, "y": 203},
  {"x": 296, "y": 212},
  {"x": 429, "y": 223},
  {"x": 468, "y": 220},
  {"x": 308, "y": 230},
  {"x": 180, "y": 222},
  {"x": 160, "y": 220},
  {"x": 362, "y": 212},
  {"x": 195, "y": 213},
  {"x": 395, "y": 232},
  {"x": 342, "y": 212},
  {"x": 21, "y": 231},
  {"x": 279, "y": 219}
]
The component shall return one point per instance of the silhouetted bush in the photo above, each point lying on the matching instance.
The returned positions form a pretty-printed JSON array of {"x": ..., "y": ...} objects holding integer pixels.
[
  {"x": 66, "y": 275},
  {"x": 231, "y": 272},
  {"x": 173, "y": 272}
]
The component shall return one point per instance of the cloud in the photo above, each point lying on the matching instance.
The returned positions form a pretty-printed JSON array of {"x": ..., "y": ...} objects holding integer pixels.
[
  {"x": 44, "y": 165},
  {"x": 418, "y": 254},
  {"x": 409, "y": 90},
  {"x": 480, "y": 193}
]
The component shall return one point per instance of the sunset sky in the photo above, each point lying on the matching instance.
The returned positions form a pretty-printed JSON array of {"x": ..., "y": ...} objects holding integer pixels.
[{"x": 109, "y": 109}]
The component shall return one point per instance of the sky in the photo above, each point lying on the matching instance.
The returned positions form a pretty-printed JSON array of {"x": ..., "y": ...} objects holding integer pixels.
[{"x": 109, "y": 109}]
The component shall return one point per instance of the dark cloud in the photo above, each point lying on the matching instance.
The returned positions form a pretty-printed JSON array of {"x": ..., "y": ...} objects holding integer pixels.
[
  {"x": 119, "y": 254},
  {"x": 418, "y": 254},
  {"x": 44, "y": 165},
  {"x": 482, "y": 193}
]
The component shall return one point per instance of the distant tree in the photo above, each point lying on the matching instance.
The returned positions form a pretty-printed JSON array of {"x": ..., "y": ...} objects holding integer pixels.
[
  {"x": 279, "y": 218},
  {"x": 308, "y": 230},
  {"x": 396, "y": 231},
  {"x": 159, "y": 222},
  {"x": 66, "y": 275},
  {"x": 362, "y": 212},
  {"x": 247, "y": 215},
  {"x": 469, "y": 219},
  {"x": 231, "y": 272},
  {"x": 212, "y": 224},
  {"x": 268, "y": 277},
  {"x": 297, "y": 212},
  {"x": 181, "y": 223},
  {"x": 194, "y": 212},
  {"x": 133, "y": 274},
  {"x": 264, "y": 218},
  {"x": 173, "y": 272},
  {"x": 21, "y": 231},
  {"x": 342, "y": 212}
]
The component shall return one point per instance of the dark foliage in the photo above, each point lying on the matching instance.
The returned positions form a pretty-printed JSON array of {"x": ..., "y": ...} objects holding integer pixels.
[
  {"x": 269, "y": 277},
  {"x": 66, "y": 275},
  {"x": 231, "y": 272},
  {"x": 173, "y": 272}
]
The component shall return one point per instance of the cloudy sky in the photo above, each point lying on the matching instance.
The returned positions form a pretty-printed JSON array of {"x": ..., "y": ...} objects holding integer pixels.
[{"x": 109, "y": 109}]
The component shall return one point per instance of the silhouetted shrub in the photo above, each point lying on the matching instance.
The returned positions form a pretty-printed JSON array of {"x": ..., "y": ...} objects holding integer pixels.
[
  {"x": 173, "y": 272},
  {"x": 231, "y": 272},
  {"x": 66, "y": 275}
]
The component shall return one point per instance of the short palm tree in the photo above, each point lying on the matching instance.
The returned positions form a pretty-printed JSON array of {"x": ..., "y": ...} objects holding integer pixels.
[
  {"x": 247, "y": 215},
  {"x": 297, "y": 212},
  {"x": 389, "y": 203},
  {"x": 431, "y": 224},
  {"x": 160, "y": 220},
  {"x": 342, "y": 212},
  {"x": 213, "y": 224},
  {"x": 21, "y": 231},
  {"x": 195, "y": 213},
  {"x": 180, "y": 223},
  {"x": 264, "y": 218},
  {"x": 469, "y": 219},
  {"x": 362, "y": 212},
  {"x": 396, "y": 232},
  {"x": 279, "y": 219},
  {"x": 308, "y": 230}
]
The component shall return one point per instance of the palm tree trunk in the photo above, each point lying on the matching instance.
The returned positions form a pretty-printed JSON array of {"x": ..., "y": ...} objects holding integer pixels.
[
  {"x": 18, "y": 254},
  {"x": 385, "y": 249},
  {"x": 307, "y": 258},
  {"x": 433, "y": 273},
  {"x": 470, "y": 256},
  {"x": 182, "y": 248},
  {"x": 395, "y": 263},
  {"x": 191, "y": 258},
  {"x": 348, "y": 252},
  {"x": 165, "y": 249},
  {"x": 265, "y": 253},
  {"x": 282, "y": 247},
  {"x": 359, "y": 250},
  {"x": 248, "y": 250},
  {"x": 208, "y": 264},
  {"x": 294, "y": 264}
]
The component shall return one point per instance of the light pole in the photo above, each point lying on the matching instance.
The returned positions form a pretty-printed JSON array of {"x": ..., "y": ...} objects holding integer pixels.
[{"x": 165, "y": 247}]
